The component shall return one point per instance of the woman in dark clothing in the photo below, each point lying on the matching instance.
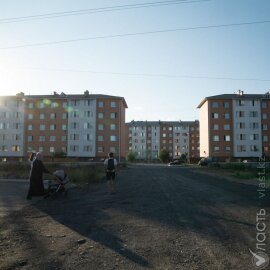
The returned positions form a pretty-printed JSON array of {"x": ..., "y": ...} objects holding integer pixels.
[{"x": 36, "y": 187}]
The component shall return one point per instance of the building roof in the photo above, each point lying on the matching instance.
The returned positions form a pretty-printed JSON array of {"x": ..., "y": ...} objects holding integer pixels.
[
  {"x": 65, "y": 96},
  {"x": 153, "y": 123},
  {"x": 235, "y": 96}
]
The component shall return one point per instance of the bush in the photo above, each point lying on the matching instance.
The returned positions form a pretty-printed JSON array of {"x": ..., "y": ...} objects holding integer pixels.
[
  {"x": 164, "y": 156},
  {"x": 234, "y": 166},
  {"x": 131, "y": 156}
]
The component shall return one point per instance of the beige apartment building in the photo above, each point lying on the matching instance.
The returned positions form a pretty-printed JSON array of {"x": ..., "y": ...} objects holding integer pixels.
[
  {"x": 235, "y": 126},
  {"x": 83, "y": 126},
  {"x": 147, "y": 138}
]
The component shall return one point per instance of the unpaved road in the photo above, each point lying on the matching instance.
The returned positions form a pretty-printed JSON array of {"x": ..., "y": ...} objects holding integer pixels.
[{"x": 159, "y": 218}]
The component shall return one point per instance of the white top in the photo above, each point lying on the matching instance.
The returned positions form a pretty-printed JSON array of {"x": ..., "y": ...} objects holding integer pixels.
[{"x": 106, "y": 162}]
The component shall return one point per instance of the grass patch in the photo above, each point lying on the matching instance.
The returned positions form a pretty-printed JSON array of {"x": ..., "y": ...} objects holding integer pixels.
[{"x": 76, "y": 172}]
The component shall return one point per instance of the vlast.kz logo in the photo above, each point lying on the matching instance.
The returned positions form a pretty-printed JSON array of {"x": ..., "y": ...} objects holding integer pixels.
[{"x": 260, "y": 259}]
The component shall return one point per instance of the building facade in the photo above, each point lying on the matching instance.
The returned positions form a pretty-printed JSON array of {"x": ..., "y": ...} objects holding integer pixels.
[
  {"x": 147, "y": 139},
  {"x": 82, "y": 126},
  {"x": 235, "y": 126}
]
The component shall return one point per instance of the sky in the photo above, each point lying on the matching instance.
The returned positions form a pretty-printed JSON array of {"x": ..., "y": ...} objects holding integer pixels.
[{"x": 163, "y": 57}]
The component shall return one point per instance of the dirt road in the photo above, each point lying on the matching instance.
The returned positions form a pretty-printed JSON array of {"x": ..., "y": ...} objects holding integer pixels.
[{"x": 159, "y": 218}]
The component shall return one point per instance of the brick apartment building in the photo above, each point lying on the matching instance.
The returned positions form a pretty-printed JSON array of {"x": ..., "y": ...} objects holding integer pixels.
[
  {"x": 147, "y": 138},
  {"x": 83, "y": 126},
  {"x": 235, "y": 126}
]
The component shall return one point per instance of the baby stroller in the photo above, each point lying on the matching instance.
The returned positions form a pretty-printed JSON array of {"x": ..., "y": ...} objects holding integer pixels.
[{"x": 57, "y": 185}]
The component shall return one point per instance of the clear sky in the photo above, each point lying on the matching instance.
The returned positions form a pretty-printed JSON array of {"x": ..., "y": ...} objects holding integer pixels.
[{"x": 162, "y": 75}]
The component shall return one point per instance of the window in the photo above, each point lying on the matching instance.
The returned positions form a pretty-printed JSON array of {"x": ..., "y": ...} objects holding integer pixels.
[
  {"x": 52, "y": 149},
  {"x": 42, "y": 127},
  {"x": 265, "y": 138},
  {"x": 100, "y": 149},
  {"x": 216, "y": 138},
  {"x": 100, "y": 127},
  {"x": 113, "y": 115},
  {"x": 241, "y": 148},
  {"x": 113, "y": 104},
  {"x": 100, "y": 115},
  {"x": 15, "y": 148},
  {"x": 265, "y": 148},
  {"x": 254, "y": 148},
  {"x": 30, "y": 127},
  {"x": 253, "y": 114},
  {"x": 264, "y": 105},
  {"x": 164, "y": 135},
  {"x": 214, "y": 104},
  {"x": 74, "y": 125},
  {"x": 100, "y": 138},
  {"x": 226, "y": 104},
  {"x": 113, "y": 138},
  {"x": 41, "y": 105},
  {"x": 216, "y": 148},
  {"x": 87, "y": 125},
  {"x": 241, "y": 137},
  {"x": 52, "y": 138},
  {"x": 64, "y": 115},
  {"x": 30, "y": 105},
  {"x": 112, "y": 127},
  {"x": 42, "y": 138},
  {"x": 30, "y": 138},
  {"x": 53, "y": 127},
  {"x": 226, "y": 116},
  {"x": 241, "y": 102},
  {"x": 215, "y": 115},
  {"x": 54, "y": 105},
  {"x": 42, "y": 116},
  {"x": 53, "y": 115},
  {"x": 113, "y": 149},
  {"x": 227, "y": 127},
  {"x": 241, "y": 125},
  {"x": 264, "y": 126},
  {"x": 227, "y": 138},
  {"x": 64, "y": 127},
  {"x": 227, "y": 148},
  {"x": 63, "y": 138},
  {"x": 64, "y": 105},
  {"x": 254, "y": 126},
  {"x": 30, "y": 116},
  {"x": 87, "y": 137},
  {"x": 87, "y": 148},
  {"x": 240, "y": 113},
  {"x": 216, "y": 127},
  {"x": 264, "y": 116},
  {"x": 253, "y": 103},
  {"x": 74, "y": 148},
  {"x": 101, "y": 104},
  {"x": 254, "y": 137},
  {"x": 74, "y": 137}
]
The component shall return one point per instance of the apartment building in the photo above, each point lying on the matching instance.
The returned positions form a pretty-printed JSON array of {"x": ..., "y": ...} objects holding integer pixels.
[
  {"x": 147, "y": 138},
  {"x": 12, "y": 127},
  {"x": 83, "y": 126},
  {"x": 234, "y": 125}
]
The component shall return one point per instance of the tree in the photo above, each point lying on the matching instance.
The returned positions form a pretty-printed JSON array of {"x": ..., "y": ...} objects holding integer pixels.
[
  {"x": 164, "y": 156},
  {"x": 131, "y": 156}
]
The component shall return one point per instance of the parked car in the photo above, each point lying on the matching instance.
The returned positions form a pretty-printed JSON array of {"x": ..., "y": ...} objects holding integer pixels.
[
  {"x": 204, "y": 162},
  {"x": 176, "y": 162},
  {"x": 208, "y": 162}
]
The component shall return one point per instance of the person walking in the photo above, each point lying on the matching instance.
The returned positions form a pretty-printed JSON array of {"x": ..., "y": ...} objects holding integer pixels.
[
  {"x": 110, "y": 164},
  {"x": 36, "y": 187}
]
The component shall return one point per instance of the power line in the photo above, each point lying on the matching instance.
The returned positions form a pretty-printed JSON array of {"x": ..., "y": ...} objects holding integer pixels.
[
  {"x": 172, "y": 76},
  {"x": 97, "y": 10},
  {"x": 134, "y": 34}
]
